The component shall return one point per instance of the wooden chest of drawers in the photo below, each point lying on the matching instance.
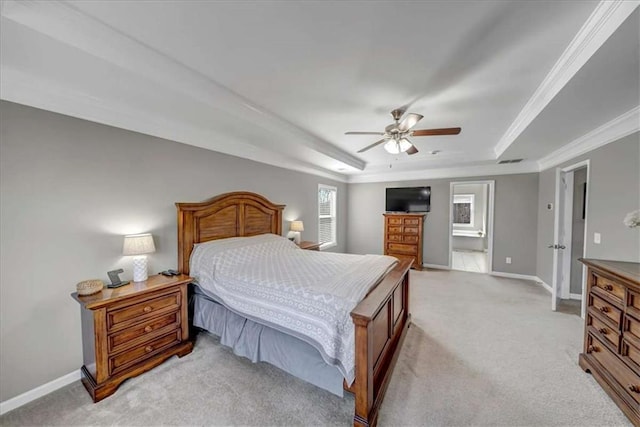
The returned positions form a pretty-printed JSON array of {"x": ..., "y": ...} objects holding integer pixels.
[
  {"x": 128, "y": 330},
  {"x": 403, "y": 237},
  {"x": 612, "y": 332}
]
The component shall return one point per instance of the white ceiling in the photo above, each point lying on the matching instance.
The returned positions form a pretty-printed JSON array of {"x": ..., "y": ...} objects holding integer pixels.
[{"x": 280, "y": 82}]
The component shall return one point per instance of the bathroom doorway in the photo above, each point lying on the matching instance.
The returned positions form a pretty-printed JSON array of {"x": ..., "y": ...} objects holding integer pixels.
[{"x": 471, "y": 226}]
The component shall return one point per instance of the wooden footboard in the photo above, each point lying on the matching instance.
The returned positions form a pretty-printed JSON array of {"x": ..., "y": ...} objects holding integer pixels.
[{"x": 381, "y": 320}]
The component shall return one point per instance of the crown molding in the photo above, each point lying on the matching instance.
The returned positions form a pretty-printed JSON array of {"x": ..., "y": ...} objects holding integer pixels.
[
  {"x": 603, "y": 21},
  {"x": 621, "y": 126},
  {"x": 64, "y": 23},
  {"x": 453, "y": 172}
]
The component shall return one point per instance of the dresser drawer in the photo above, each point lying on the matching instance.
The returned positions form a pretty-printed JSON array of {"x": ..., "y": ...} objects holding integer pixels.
[
  {"x": 394, "y": 237},
  {"x": 633, "y": 303},
  {"x": 604, "y": 330},
  {"x": 410, "y": 239},
  {"x": 614, "y": 366},
  {"x": 631, "y": 355},
  {"x": 411, "y": 230},
  {"x": 608, "y": 288},
  {"x": 394, "y": 221},
  {"x": 141, "y": 310},
  {"x": 142, "y": 332},
  {"x": 394, "y": 230},
  {"x": 403, "y": 249},
  {"x": 631, "y": 327},
  {"x": 606, "y": 309},
  {"x": 411, "y": 221},
  {"x": 123, "y": 360}
]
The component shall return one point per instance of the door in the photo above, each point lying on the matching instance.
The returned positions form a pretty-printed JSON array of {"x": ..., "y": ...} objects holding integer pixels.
[
  {"x": 562, "y": 232},
  {"x": 561, "y": 237}
]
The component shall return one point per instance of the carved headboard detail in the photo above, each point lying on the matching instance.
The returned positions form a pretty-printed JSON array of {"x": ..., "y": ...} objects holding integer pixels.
[{"x": 237, "y": 214}]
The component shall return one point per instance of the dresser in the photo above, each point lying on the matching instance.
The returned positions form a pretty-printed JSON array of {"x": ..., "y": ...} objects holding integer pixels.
[
  {"x": 612, "y": 331},
  {"x": 131, "y": 329},
  {"x": 403, "y": 236}
]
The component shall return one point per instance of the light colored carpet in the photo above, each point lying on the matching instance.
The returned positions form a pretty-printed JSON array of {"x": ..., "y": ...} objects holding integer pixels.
[{"x": 482, "y": 351}]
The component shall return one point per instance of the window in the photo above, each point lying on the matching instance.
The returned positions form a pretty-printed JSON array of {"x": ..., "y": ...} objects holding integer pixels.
[
  {"x": 463, "y": 210},
  {"x": 327, "y": 196}
]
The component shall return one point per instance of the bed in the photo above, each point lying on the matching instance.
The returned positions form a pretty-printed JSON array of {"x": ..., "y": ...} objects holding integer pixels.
[{"x": 380, "y": 320}]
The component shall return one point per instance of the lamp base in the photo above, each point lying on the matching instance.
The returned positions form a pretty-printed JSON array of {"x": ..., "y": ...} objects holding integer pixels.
[{"x": 140, "y": 268}]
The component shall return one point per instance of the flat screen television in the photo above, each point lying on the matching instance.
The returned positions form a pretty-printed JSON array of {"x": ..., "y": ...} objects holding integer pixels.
[{"x": 408, "y": 199}]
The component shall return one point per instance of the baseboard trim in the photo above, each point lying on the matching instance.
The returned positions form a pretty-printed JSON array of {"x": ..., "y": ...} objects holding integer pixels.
[
  {"x": 576, "y": 296},
  {"x": 514, "y": 275},
  {"x": 31, "y": 395},
  {"x": 436, "y": 266},
  {"x": 536, "y": 279}
]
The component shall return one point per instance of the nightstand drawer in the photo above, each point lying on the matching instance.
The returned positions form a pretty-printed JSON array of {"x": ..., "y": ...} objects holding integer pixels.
[
  {"x": 123, "y": 360},
  {"x": 143, "y": 332},
  {"x": 141, "y": 310},
  {"x": 403, "y": 249}
]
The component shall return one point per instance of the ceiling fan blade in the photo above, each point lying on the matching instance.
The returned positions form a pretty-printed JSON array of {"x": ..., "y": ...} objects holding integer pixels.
[
  {"x": 369, "y": 147},
  {"x": 431, "y": 132},
  {"x": 412, "y": 150},
  {"x": 364, "y": 133},
  {"x": 409, "y": 121}
]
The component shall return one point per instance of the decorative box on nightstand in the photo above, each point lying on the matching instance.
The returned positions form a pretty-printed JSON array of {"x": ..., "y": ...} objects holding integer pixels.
[
  {"x": 310, "y": 246},
  {"x": 129, "y": 330}
]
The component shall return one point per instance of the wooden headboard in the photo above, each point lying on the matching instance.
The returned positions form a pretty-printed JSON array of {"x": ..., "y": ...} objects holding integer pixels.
[{"x": 237, "y": 214}]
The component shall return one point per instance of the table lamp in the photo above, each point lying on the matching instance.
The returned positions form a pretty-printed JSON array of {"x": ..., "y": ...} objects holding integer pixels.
[
  {"x": 296, "y": 228},
  {"x": 139, "y": 245}
]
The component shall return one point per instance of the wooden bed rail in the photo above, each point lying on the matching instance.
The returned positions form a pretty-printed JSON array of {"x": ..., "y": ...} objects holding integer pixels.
[{"x": 381, "y": 320}]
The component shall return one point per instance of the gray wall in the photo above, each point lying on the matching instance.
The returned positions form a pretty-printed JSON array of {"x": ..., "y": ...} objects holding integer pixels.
[
  {"x": 70, "y": 189},
  {"x": 515, "y": 220},
  {"x": 612, "y": 192}
]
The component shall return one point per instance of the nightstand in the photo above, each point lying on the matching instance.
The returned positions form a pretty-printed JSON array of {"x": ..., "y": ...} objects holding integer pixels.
[
  {"x": 129, "y": 330},
  {"x": 310, "y": 246}
]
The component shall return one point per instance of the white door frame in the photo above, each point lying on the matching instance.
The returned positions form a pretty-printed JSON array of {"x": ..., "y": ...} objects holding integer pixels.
[
  {"x": 562, "y": 259},
  {"x": 490, "y": 208}
]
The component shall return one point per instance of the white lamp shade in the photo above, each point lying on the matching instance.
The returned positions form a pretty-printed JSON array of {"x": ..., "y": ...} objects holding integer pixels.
[
  {"x": 397, "y": 146},
  {"x": 297, "y": 226},
  {"x": 138, "y": 244}
]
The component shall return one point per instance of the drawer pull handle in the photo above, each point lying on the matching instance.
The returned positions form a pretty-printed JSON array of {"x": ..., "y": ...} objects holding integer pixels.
[
  {"x": 147, "y": 309},
  {"x": 634, "y": 388},
  {"x": 148, "y": 328},
  {"x": 148, "y": 349},
  {"x": 604, "y": 309},
  {"x": 603, "y": 331},
  {"x": 608, "y": 288},
  {"x": 592, "y": 349}
]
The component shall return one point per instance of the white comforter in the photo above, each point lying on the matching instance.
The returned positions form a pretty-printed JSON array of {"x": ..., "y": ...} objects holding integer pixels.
[{"x": 308, "y": 294}]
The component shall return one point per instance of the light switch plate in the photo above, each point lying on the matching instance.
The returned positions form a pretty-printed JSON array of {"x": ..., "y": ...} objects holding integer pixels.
[{"x": 596, "y": 238}]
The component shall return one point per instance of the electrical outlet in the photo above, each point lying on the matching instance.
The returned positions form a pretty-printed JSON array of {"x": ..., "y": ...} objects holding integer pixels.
[
  {"x": 508, "y": 260},
  {"x": 596, "y": 238}
]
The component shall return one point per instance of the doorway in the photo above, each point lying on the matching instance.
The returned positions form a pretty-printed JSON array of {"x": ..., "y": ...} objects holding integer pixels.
[
  {"x": 471, "y": 226},
  {"x": 570, "y": 225}
]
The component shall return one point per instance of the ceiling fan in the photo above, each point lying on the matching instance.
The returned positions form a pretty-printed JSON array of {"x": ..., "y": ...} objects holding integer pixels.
[{"x": 396, "y": 134}]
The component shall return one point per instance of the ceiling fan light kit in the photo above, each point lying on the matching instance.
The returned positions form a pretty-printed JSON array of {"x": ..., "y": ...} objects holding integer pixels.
[
  {"x": 394, "y": 146},
  {"x": 395, "y": 135}
]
